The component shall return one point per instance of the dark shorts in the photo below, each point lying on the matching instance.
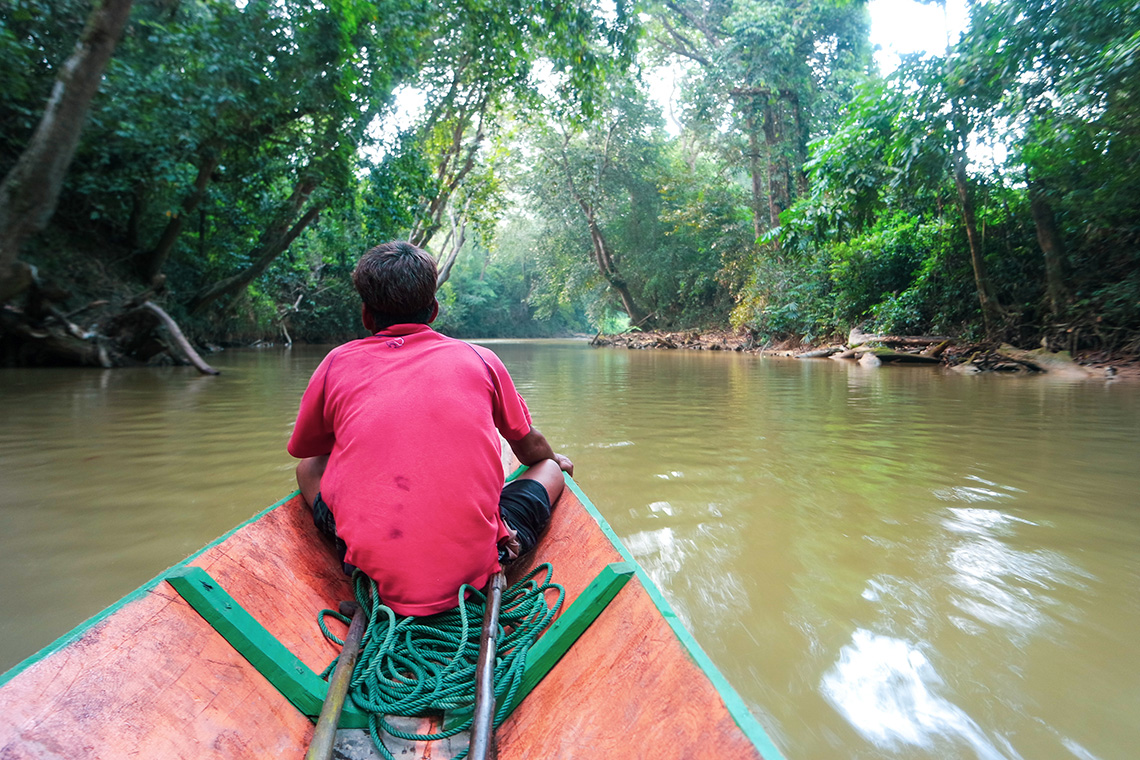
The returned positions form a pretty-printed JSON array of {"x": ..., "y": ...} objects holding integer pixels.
[
  {"x": 525, "y": 507},
  {"x": 326, "y": 524},
  {"x": 523, "y": 504}
]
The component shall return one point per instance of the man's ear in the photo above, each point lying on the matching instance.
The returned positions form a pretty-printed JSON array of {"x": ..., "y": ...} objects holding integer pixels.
[
  {"x": 366, "y": 318},
  {"x": 434, "y": 311}
]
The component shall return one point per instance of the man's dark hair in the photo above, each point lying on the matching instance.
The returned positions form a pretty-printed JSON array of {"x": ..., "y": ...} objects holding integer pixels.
[{"x": 396, "y": 281}]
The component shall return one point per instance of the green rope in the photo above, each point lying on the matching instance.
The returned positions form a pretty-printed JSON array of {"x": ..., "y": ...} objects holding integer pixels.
[{"x": 417, "y": 666}]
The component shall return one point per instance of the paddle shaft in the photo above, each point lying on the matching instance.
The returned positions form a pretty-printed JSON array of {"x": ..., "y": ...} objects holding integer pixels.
[
  {"x": 321, "y": 748},
  {"x": 482, "y": 725}
]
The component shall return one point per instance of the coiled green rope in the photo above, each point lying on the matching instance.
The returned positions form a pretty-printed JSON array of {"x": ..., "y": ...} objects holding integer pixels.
[{"x": 417, "y": 666}]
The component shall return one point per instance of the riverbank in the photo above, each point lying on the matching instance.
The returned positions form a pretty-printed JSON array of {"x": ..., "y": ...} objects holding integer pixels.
[{"x": 965, "y": 356}]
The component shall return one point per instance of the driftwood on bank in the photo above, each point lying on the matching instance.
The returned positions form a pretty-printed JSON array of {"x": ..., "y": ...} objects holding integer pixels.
[
  {"x": 1010, "y": 360},
  {"x": 871, "y": 351},
  {"x": 820, "y": 353},
  {"x": 690, "y": 339},
  {"x": 857, "y": 338},
  {"x": 136, "y": 332},
  {"x": 887, "y": 355}
]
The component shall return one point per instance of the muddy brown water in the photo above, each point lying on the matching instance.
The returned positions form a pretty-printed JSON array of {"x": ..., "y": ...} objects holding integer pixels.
[{"x": 885, "y": 563}]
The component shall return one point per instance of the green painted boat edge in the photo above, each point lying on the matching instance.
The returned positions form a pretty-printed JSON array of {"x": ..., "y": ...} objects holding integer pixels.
[
  {"x": 732, "y": 700},
  {"x": 77, "y": 632}
]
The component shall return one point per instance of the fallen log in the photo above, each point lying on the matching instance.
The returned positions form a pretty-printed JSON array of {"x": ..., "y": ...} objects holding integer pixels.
[
  {"x": 935, "y": 352},
  {"x": 908, "y": 340},
  {"x": 819, "y": 353},
  {"x": 857, "y": 337},
  {"x": 1043, "y": 360},
  {"x": 41, "y": 334},
  {"x": 887, "y": 355},
  {"x": 850, "y": 353},
  {"x": 180, "y": 339},
  {"x": 38, "y": 344}
]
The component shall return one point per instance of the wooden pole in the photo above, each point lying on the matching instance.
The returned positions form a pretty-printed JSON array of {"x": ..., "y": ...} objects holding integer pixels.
[
  {"x": 482, "y": 725},
  {"x": 321, "y": 747}
]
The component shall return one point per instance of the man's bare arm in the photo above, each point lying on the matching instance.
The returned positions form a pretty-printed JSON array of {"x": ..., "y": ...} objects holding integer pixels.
[{"x": 533, "y": 447}]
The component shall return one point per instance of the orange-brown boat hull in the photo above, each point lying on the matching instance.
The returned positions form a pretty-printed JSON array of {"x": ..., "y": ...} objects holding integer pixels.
[{"x": 151, "y": 678}]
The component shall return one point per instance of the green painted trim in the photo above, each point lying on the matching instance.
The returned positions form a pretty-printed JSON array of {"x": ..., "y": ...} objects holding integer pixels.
[
  {"x": 281, "y": 668},
  {"x": 562, "y": 634},
  {"x": 76, "y": 633},
  {"x": 732, "y": 700}
]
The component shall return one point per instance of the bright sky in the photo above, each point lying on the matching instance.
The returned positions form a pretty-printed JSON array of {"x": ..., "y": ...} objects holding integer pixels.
[{"x": 907, "y": 26}]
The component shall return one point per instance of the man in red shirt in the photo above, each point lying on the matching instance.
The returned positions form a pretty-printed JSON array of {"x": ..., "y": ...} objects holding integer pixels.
[{"x": 398, "y": 436}]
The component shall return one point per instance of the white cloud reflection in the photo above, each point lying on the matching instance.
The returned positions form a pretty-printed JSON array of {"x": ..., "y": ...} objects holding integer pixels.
[{"x": 888, "y": 690}]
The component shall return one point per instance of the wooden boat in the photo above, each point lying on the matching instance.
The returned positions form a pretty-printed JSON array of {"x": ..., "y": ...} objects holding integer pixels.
[{"x": 152, "y": 677}]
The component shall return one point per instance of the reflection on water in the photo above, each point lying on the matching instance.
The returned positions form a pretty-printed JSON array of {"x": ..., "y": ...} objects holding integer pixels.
[
  {"x": 889, "y": 692},
  {"x": 891, "y": 563}
]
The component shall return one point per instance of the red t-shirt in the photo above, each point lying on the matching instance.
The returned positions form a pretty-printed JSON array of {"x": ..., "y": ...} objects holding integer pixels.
[{"x": 409, "y": 418}]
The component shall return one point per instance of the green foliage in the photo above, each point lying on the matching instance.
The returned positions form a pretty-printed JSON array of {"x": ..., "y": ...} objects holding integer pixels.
[
  {"x": 263, "y": 102},
  {"x": 487, "y": 297},
  {"x": 881, "y": 235},
  {"x": 670, "y": 226},
  {"x": 393, "y": 189},
  {"x": 802, "y": 196}
]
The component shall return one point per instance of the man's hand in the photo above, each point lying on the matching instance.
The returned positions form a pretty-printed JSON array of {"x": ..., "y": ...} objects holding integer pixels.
[{"x": 565, "y": 463}]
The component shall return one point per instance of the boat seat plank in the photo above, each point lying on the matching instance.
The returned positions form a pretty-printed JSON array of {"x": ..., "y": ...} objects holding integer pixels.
[{"x": 300, "y": 685}]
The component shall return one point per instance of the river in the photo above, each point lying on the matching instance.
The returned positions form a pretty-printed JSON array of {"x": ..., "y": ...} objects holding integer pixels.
[{"x": 886, "y": 563}]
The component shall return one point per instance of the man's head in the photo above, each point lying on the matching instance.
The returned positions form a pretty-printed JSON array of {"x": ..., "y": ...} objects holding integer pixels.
[{"x": 396, "y": 282}]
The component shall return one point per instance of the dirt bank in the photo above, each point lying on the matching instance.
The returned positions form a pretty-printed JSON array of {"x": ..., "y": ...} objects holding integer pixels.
[{"x": 1096, "y": 365}]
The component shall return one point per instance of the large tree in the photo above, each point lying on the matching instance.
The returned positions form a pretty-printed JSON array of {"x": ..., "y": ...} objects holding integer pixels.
[
  {"x": 30, "y": 190},
  {"x": 776, "y": 70},
  {"x": 591, "y": 179}
]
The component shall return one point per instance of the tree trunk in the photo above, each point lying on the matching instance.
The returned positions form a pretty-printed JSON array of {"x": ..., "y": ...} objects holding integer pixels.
[
  {"x": 28, "y": 195},
  {"x": 134, "y": 220},
  {"x": 756, "y": 170},
  {"x": 799, "y": 129},
  {"x": 604, "y": 259},
  {"x": 778, "y": 199},
  {"x": 456, "y": 236},
  {"x": 454, "y": 166},
  {"x": 991, "y": 309},
  {"x": 274, "y": 241},
  {"x": 151, "y": 264},
  {"x": 1053, "y": 248}
]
